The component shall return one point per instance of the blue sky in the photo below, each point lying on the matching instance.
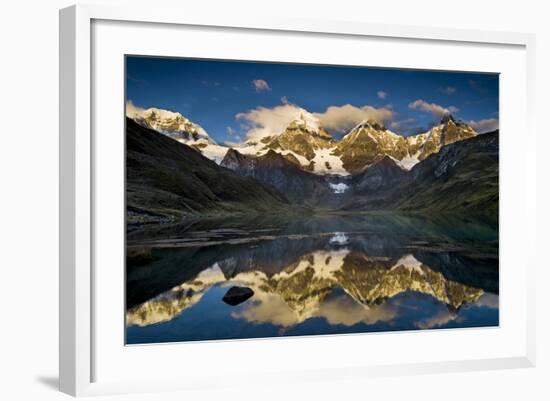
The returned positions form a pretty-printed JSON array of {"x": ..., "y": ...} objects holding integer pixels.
[{"x": 233, "y": 99}]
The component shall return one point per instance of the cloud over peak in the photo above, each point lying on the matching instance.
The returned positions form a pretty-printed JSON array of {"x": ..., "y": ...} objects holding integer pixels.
[
  {"x": 341, "y": 119},
  {"x": 263, "y": 121},
  {"x": 485, "y": 125}
]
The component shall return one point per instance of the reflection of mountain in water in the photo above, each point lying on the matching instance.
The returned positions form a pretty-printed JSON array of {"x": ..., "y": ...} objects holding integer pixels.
[
  {"x": 465, "y": 252},
  {"x": 341, "y": 285},
  {"x": 314, "y": 275}
]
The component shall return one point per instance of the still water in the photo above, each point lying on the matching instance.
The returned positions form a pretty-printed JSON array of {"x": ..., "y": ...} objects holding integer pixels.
[{"x": 317, "y": 275}]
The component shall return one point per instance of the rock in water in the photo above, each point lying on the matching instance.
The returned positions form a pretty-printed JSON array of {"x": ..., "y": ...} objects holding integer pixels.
[{"x": 237, "y": 295}]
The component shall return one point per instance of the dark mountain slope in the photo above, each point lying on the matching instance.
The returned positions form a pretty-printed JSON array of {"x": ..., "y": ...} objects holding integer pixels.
[
  {"x": 382, "y": 173},
  {"x": 167, "y": 180},
  {"x": 282, "y": 174},
  {"x": 462, "y": 178}
]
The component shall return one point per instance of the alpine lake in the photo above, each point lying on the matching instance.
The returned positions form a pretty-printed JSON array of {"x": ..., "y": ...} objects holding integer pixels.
[{"x": 315, "y": 275}]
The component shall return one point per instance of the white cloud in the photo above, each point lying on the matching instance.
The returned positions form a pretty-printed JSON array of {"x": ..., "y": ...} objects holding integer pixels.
[
  {"x": 261, "y": 85},
  {"x": 448, "y": 90},
  {"x": 262, "y": 121},
  {"x": 442, "y": 318},
  {"x": 284, "y": 100},
  {"x": 433, "y": 108},
  {"x": 342, "y": 118},
  {"x": 486, "y": 125},
  {"x": 381, "y": 94}
]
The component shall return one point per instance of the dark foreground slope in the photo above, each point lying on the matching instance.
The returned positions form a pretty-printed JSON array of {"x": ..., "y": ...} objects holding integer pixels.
[
  {"x": 462, "y": 178},
  {"x": 167, "y": 180}
]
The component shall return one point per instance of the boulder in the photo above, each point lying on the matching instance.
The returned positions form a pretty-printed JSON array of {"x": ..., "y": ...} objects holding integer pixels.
[{"x": 237, "y": 295}]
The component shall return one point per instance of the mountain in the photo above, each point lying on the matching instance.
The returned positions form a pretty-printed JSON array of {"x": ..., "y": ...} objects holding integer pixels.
[
  {"x": 368, "y": 142},
  {"x": 446, "y": 132},
  {"x": 282, "y": 173},
  {"x": 300, "y": 138},
  {"x": 461, "y": 178},
  {"x": 384, "y": 172},
  {"x": 169, "y": 123},
  {"x": 291, "y": 163},
  {"x": 176, "y": 126},
  {"x": 303, "y": 141},
  {"x": 167, "y": 180},
  {"x": 306, "y": 143}
]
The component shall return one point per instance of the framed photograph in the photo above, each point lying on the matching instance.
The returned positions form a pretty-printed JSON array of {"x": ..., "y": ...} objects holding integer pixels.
[{"x": 295, "y": 199}]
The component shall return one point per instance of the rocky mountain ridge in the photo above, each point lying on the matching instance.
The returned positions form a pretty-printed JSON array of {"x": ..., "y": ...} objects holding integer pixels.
[{"x": 312, "y": 147}]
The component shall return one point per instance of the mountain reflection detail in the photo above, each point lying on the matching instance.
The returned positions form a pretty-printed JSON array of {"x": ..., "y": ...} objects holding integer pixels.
[{"x": 322, "y": 275}]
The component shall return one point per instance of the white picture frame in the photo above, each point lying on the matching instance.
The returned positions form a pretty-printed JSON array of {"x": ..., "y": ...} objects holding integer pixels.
[{"x": 78, "y": 317}]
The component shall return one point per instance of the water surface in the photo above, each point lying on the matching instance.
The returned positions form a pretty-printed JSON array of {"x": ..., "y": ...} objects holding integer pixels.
[{"x": 328, "y": 274}]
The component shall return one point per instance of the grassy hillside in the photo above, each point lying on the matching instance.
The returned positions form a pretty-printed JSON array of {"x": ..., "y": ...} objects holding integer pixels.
[
  {"x": 462, "y": 178},
  {"x": 168, "y": 181}
]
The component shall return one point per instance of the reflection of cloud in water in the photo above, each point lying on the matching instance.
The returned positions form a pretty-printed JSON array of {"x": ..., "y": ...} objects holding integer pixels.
[
  {"x": 345, "y": 310},
  {"x": 444, "y": 317},
  {"x": 338, "y": 285},
  {"x": 488, "y": 300},
  {"x": 268, "y": 308},
  {"x": 341, "y": 309},
  {"x": 439, "y": 319}
]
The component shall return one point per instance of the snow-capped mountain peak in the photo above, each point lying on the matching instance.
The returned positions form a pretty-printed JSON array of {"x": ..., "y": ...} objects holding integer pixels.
[
  {"x": 448, "y": 118},
  {"x": 169, "y": 123},
  {"x": 369, "y": 124},
  {"x": 306, "y": 142},
  {"x": 305, "y": 120},
  {"x": 448, "y": 131}
]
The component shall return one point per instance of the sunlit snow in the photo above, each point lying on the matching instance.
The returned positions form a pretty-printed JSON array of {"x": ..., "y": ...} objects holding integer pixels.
[
  {"x": 324, "y": 157},
  {"x": 215, "y": 152},
  {"x": 408, "y": 162}
]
